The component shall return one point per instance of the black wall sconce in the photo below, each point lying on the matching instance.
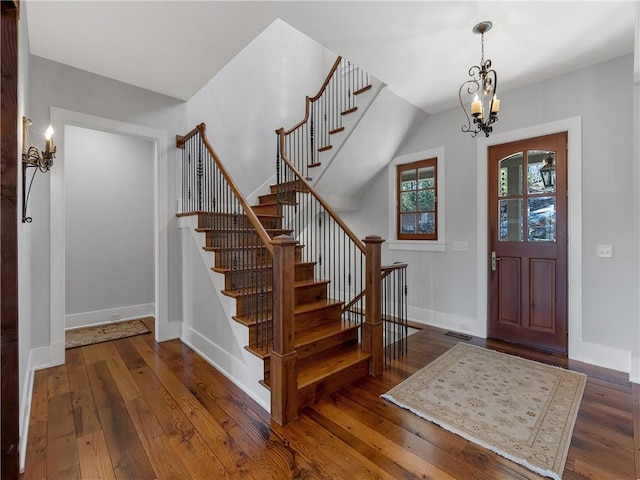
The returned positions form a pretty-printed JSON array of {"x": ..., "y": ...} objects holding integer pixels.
[{"x": 34, "y": 158}]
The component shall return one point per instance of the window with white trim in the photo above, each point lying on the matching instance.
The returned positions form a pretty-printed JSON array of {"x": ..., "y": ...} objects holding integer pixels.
[{"x": 425, "y": 230}]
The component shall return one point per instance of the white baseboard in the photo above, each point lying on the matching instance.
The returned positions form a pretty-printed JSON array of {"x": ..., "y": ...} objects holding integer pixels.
[
  {"x": 607, "y": 357},
  {"x": 39, "y": 358},
  {"x": 446, "y": 321},
  {"x": 230, "y": 366},
  {"x": 634, "y": 375},
  {"x": 168, "y": 331},
  {"x": 109, "y": 315},
  {"x": 586, "y": 352},
  {"x": 25, "y": 411},
  {"x": 575, "y": 348},
  {"x": 45, "y": 357}
]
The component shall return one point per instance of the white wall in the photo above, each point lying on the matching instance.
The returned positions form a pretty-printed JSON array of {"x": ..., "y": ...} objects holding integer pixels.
[
  {"x": 443, "y": 286},
  {"x": 56, "y": 85},
  {"x": 24, "y": 249},
  {"x": 635, "y": 362},
  {"x": 208, "y": 326},
  {"x": 262, "y": 89},
  {"x": 109, "y": 217}
]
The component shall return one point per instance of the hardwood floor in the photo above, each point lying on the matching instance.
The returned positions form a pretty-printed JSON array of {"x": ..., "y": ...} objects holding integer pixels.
[{"x": 136, "y": 409}]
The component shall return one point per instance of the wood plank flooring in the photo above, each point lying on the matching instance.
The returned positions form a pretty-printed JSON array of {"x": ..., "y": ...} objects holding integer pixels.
[{"x": 136, "y": 409}]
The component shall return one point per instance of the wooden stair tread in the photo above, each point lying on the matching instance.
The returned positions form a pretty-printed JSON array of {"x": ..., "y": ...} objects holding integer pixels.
[
  {"x": 325, "y": 148},
  {"x": 314, "y": 165},
  {"x": 336, "y": 130},
  {"x": 318, "y": 367},
  {"x": 249, "y": 268},
  {"x": 351, "y": 110},
  {"x": 292, "y": 186},
  {"x": 317, "y": 305},
  {"x": 308, "y": 283},
  {"x": 242, "y": 230},
  {"x": 270, "y": 203},
  {"x": 299, "y": 309},
  {"x": 310, "y": 336},
  {"x": 237, "y": 247},
  {"x": 366, "y": 88},
  {"x": 251, "y": 291},
  {"x": 322, "y": 332},
  {"x": 243, "y": 247}
]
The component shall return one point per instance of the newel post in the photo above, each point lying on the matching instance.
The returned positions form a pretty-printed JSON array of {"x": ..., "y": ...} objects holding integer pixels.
[
  {"x": 372, "y": 341},
  {"x": 284, "y": 384}
]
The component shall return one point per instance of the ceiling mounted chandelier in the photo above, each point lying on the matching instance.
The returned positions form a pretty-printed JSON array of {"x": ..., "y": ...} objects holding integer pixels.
[{"x": 485, "y": 105}]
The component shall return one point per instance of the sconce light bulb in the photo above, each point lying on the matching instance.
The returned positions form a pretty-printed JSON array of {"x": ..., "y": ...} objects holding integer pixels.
[{"x": 49, "y": 133}]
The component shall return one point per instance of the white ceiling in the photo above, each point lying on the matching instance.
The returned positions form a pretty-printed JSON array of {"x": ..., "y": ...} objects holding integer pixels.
[{"x": 421, "y": 49}]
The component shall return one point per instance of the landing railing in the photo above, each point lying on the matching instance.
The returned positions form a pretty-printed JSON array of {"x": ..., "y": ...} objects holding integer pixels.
[
  {"x": 394, "y": 310},
  {"x": 393, "y": 296},
  {"x": 324, "y": 114},
  {"x": 241, "y": 242}
]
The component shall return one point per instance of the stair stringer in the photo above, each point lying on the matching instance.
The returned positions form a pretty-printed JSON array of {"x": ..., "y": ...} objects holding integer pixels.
[{"x": 223, "y": 345}]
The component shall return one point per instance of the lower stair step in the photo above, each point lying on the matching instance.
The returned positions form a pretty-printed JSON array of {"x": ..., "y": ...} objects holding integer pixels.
[
  {"x": 314, "y": 340},
  {"x": 322, "y": 374}
]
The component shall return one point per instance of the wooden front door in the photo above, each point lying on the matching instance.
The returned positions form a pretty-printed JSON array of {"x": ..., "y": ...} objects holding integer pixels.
[{"x": 528, "y": 242}]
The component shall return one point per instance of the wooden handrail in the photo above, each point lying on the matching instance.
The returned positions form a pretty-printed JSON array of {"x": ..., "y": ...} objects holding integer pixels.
[
  {"x": 182, "y": 139},
  {"x": 317, "y": 196},
  {"x": 385, "y": 271},
  {"x": 310, "y": 100},
  {"x": 251, "y": 215}
]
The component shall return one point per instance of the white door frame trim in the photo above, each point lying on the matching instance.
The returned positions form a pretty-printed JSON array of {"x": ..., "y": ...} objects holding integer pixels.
[
  {"x": 60, "y": 118},
  {"x": 574, "y": 251}
]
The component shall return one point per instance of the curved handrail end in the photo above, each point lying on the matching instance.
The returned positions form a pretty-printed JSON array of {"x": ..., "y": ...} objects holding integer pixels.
[{"x": 182, "y": 139}]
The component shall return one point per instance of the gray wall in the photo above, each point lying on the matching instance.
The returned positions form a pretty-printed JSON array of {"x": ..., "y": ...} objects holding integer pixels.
[
  {"x": 57, "y": 85},
  {"x": 446, "y": 282},
  {"x": 109, "y": 241},
  {"x": 262, "y": 89}
]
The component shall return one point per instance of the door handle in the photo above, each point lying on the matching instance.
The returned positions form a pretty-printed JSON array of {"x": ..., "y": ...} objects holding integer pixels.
[{"x": 494, "y": 259}]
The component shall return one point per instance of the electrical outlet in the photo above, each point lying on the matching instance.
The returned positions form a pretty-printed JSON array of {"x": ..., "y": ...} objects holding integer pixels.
[
  {"x": 460, "y": 246},
  {"x": 604, "y": 251}
]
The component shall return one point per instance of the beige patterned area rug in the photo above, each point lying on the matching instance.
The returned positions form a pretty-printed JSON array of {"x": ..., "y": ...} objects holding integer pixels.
[
  {"x": 103, "y": 333},
  {"x": 517, "y": 408}
]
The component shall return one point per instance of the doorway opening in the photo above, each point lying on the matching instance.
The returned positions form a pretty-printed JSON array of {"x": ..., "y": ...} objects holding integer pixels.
[
  {"x": 108, "y": 228},
  {"x": 60, "y": 119}
]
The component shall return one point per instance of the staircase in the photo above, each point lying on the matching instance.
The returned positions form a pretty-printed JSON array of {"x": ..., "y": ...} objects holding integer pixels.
[
  {"x": 327, "y": 348},
  {"x": 309, "y": 292}
]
